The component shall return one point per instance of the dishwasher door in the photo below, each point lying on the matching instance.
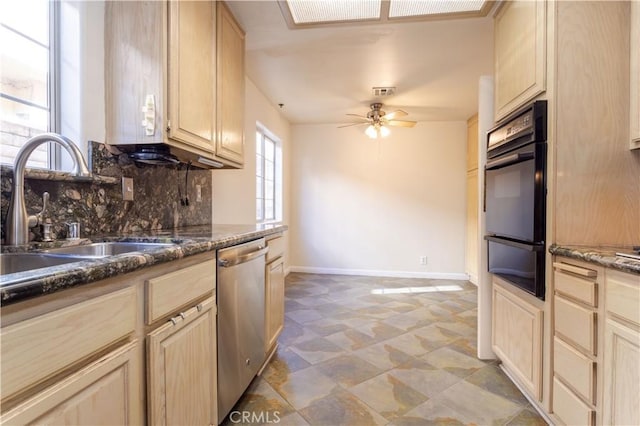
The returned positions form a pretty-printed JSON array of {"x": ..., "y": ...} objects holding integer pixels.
[{"x": 241, "y": 312}]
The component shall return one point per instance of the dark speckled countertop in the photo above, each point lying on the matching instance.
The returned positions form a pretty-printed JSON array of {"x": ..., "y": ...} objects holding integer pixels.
[
  {"x": 605, "y": 256},
  {"x": 189, "y": 241}
]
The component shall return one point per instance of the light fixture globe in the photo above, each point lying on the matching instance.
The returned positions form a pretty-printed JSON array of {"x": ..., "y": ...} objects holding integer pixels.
[{"x": 371, "y": 131}]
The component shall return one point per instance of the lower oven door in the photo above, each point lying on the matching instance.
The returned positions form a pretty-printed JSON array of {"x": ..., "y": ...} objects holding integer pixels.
[
  {"x": 521, "y": 264},
  {"x": 515, "y": 194}
]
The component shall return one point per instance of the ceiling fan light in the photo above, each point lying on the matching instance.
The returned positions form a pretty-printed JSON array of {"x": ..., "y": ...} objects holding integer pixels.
[
  {"x": 384, "y": 131},
  {"x": 371, "y": 132}
]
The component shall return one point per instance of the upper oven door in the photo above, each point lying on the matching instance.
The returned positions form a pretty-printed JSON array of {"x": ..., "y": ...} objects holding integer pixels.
[{"x": 515, "y": 194}]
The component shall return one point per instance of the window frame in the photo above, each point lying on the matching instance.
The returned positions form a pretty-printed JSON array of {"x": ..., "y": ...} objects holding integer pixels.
[
  {"x": 263, "y": 134},
  {"x": 53, "y": 107}
]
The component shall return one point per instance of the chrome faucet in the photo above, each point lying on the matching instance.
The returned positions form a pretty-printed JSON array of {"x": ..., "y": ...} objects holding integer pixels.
[{"x": 18, "y": 221}]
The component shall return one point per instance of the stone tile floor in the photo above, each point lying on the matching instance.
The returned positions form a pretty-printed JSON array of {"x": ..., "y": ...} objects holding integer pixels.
[{"x": 380, "y": 351}]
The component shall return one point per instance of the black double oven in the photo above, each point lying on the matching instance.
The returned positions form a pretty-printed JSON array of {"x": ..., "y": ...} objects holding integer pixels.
[{"x": 515, "y": 198}]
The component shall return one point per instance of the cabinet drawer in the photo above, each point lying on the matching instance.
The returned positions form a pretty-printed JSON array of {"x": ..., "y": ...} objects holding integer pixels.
[
  {"x": 569, "y": 408},
  {"x": 622, "y": 295},
  {"x": 276, "y": 248},
  {"x": 167, "y": 293},
  {"x": 576, "y": 323},
  {"x": 575, "y": 369},
  {"x": 584, "y": 290},
  {"x": 38, "y": 348}
]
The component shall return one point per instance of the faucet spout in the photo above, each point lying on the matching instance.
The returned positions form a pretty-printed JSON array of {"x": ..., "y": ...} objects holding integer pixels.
[{"x": 17, "y": 231}]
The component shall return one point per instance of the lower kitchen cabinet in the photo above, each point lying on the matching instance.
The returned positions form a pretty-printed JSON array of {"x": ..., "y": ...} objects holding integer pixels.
[
  {"x": 517, "y": 329},
  {"x": 78, "y": 357},
  {"x": 274, "y": 311},
  {"x": 181, "y": 369},
  {"x": 274, "y": 292},
  {"x": 621, "y": 401},
  {"x": 67, "y": 361},
  {"x": 103, "y": 393}
]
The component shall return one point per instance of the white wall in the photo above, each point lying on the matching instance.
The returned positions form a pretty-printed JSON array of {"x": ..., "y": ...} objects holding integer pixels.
[{"x": 375, "y": 206}]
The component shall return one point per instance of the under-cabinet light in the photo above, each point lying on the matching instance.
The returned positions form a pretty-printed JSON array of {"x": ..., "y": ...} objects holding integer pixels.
[{"x": 212, "y": 163}]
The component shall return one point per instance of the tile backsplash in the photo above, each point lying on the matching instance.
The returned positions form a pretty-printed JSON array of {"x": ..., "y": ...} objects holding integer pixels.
[{"x": 98, "y": 205}]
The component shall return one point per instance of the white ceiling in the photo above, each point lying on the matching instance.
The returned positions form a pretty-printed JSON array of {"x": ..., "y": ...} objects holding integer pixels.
[{"x": 321, "y": 74}]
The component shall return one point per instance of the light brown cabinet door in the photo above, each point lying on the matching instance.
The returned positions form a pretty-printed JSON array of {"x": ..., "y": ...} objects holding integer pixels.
[
  {"x": 181, "y": 354},
  {"x": 517, "y": 337},
  {"x": 191, "y": 67},
  {"x": 621, "y": 404},
  {"x": 106, "y": 392},
  {"x": 520, "y": 54},
  {"x": 274, "y": 311},
  {"x": 230, "y": 86}
]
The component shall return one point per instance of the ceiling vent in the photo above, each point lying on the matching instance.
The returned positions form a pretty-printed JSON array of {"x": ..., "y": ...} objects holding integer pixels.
[{"x": 383, "y": 91}]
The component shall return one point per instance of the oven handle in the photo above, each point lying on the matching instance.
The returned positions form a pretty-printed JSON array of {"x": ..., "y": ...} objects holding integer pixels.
[
  {"x": 509, "y": 160},
  {"x": 517, "y": 244}
]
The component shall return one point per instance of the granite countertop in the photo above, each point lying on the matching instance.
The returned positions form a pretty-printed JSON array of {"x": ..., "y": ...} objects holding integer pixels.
[
  {"x": 605, "y": 256},
  {"x": 189, "y": 241}
]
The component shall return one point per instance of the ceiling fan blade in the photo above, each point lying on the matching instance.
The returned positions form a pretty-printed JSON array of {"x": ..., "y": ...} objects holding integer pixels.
[
  {"x": 394, "y": 114},
  {"x": 359, "y": 117},
  {"x": 400, "y": 123},
  {"x": 351, "y": 124}
]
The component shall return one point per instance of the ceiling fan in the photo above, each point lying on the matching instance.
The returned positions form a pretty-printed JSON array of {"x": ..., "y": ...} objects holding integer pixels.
[{"x": 378, "y": 121}]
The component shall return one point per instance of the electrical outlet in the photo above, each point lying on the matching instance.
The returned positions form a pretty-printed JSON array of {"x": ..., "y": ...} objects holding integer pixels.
[
  {"x": 198, "y": 193},
  {"x": 127, "y": 189},
  {"x": 423, "y": 260}
]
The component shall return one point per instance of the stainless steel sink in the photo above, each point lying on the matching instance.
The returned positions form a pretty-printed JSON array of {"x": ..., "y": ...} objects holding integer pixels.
[
  {"x": 10, "y": 263},
  {"x": 112, "y": 248}
]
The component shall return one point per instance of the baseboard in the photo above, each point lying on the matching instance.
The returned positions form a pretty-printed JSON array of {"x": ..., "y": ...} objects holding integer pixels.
[
  {"x": 378, "y": 273},
  {"x": 473, "y": 279}
]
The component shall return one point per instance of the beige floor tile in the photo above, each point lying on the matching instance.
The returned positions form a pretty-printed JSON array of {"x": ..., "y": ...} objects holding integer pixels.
[
  {"x": 306, "y": 386},
  {"x": 341, "y": 409},
  {"x": 453, "y": 361},
  {"x": 383, "y": 355},
  {"x": 348, "y": 370},
  {"x": 424, "y": 378},
  {"x": 388, "y": 396},
  {"x": 316, "y": 350},
  {"x": 462, "y": 404}
]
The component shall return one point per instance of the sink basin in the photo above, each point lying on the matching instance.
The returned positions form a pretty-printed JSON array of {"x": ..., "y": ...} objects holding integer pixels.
[
  {"x": 10, "y": 263},
  {"x": 105, "y": 249}
]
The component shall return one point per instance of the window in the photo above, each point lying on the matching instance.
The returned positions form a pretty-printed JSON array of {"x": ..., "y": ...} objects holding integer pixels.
[
  {"x": 268, "y": 178},
  {"x": 28, "y": 77}
]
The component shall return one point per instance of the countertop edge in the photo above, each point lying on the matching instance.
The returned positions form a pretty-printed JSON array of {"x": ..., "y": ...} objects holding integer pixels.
[
  {"x": 601, "y": 256},
  {"x": 76, "y": 274}
]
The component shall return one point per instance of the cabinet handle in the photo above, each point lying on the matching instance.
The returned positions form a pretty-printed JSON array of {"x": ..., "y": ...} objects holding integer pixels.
[{"x": 575, "y": 269}]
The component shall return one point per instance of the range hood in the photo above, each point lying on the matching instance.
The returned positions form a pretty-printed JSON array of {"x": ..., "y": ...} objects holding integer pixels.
[
  {"x": 162, "y": 154},
  {"x": 156, "y": 154}
]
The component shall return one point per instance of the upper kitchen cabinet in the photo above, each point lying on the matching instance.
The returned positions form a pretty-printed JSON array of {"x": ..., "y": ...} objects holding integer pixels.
[
  {"x": 635, "y": 75},
  {"x": 230, "y": 86},
  {"x": 520, "y": 34},
  {"x": 161, "y": 79}
]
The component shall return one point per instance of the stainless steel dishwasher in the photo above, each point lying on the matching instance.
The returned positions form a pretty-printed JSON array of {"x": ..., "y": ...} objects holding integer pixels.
[{"x": 241, "y": 304}]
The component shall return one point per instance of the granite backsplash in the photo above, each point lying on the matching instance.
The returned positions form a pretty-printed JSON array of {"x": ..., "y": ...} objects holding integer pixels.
[{"x": 159, "y": 192}]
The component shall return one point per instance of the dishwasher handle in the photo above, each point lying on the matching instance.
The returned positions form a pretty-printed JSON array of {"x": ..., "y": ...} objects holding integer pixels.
[{"x": 227, "y": 263}]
